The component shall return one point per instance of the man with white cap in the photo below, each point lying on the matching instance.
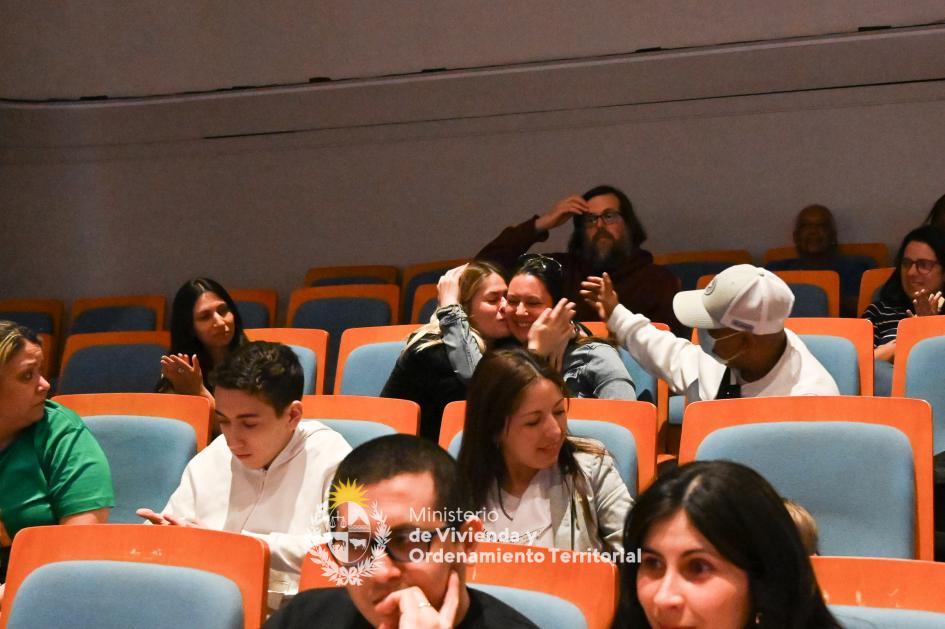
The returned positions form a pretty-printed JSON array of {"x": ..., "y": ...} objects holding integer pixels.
[{"x": 743, "y": 350}]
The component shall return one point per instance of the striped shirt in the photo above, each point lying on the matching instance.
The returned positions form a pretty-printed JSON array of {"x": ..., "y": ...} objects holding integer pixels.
[{"x": 885, "y": 318}]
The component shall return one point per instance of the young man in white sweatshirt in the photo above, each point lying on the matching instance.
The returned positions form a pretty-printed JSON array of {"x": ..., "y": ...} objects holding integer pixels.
[{"x": 269, "y": 472}]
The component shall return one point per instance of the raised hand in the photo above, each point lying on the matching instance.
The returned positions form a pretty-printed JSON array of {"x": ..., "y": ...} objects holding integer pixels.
[
  {"x": 183, "y": 372},
  {"x": 599, "y": 293},
  {"x": 552, "y": 331},
  {"x": 447, "y": 288},
  {"x": 561, "y": 212},
  {"x": 926, "y": 303}
]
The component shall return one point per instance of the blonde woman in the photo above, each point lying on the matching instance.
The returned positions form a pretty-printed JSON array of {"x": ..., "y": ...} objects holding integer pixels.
[
  {"x": 52, "y": 471},
  {"x": 470, "y": 303}
]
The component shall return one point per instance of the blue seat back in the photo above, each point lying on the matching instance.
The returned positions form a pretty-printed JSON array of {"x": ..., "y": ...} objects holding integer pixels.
[
  {"x": 545, "y": 610},
  {"x": 882, "y": 377},
  {"x": 455, "y": 445},
  {"x": 309, "y": 362},
  {"x": 368, "y": 367},
  {"x": 619, "y": 442},
  {"x": 677, "y": 408},
  {"x": 147, "y": 457},
  {"x": 39, "y": 322},
  {"x": 253, "y": 314},
  {"x": 426, "y": 277},
  {"x": 131, "y": 368},
  {"x": 924, "y": 381},
  {"x": 688, "y": 273},
  {"x": 115, "y": 319},
  {"x": 358, "y": 431},
  {"x": 121, "y": 594},
  {"x": 427, "y": 309},
  {"x": 809, "y": 301},
  {"x": 851, "y": 617},
  {"x": 350, "y": 279},
  {"x": 643, "y": 381},
  {"x": 856, "y": 479},
  {"x": 337, "y": 314},
  {"x": 838, "y": 356}
]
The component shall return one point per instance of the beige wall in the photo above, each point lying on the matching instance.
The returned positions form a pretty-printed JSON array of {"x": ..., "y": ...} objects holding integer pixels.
[
  {"x": 718, "y": 148},
  {"x": 55, "y": 49}
]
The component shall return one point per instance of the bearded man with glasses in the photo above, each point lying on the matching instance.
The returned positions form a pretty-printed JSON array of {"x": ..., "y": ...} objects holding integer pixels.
[{"x": 606, "y": 239}]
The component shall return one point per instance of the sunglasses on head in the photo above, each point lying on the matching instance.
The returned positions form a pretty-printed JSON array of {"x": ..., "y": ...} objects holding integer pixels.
[{"x": 538, "y": 260}]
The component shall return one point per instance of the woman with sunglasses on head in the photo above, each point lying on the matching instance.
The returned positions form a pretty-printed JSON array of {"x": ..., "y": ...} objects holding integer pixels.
[
  {"x": 540, "y": 319},
  {"x": 205, "y": 328},
  {"x": 470, "y": 301},
  {"x": 718, "y": 551},
  {"x": 537, "y": 484},
  {"x": 913, "y": 290}
]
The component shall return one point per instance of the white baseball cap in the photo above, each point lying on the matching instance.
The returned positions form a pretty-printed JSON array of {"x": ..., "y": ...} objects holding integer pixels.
[{"x": 742, "y": 297}]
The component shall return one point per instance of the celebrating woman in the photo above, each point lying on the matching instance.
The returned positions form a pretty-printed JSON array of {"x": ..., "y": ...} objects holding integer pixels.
[
  {"x": 914, "y": 290},
  {"x": 470, "y": 300},
  {"x": 205, "y": 328},
  {"x": 539, "y": 319}
]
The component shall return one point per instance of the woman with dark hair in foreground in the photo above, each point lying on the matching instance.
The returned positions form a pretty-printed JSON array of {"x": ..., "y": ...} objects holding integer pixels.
[{"x": 719, "y": 550}]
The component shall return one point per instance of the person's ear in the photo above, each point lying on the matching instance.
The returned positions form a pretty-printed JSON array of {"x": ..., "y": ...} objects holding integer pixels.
[
  {"x": 469, "y": 532},
  {"x": 294, "y": 413}
]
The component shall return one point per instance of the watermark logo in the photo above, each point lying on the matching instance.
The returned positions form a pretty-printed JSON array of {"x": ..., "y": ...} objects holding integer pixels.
[{"x": 358, "y": 536}]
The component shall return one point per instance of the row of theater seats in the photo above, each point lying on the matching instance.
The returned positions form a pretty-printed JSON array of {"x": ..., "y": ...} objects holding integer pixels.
[
  {"x": 113, "y": 575},
  {"x": 129, "y": 362},
  {"x": 335, "y": 298},
  {"x": 860, "y": 465}
]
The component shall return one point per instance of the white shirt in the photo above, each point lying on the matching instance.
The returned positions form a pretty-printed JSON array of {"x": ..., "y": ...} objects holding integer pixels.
[
  {"x": 690, "y": 370},
  {"x": 526, "y": 518},
  {"x": 276, "y": 505}
]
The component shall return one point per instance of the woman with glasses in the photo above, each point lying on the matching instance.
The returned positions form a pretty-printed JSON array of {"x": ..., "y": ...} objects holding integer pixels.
[
  {"x": 914, "y": 290},
  {"x": 540, "y": 319},
  {"x": 470, "y": 301},
  {"x": 537, "y": 484}
]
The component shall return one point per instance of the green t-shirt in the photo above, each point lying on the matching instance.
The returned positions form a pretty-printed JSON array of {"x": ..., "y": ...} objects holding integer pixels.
[{"x": 54, "y": 468}]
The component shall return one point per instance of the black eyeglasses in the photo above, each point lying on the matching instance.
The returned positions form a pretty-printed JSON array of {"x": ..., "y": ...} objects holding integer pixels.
[
  {"x": 538, "y": 260},
  {"x": 408, "y": 545},
  {"x": 923, "y": 266},
  {"x": 608, "y": 218}
]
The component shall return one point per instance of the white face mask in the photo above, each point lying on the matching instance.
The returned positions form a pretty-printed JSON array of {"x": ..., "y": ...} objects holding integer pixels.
[{"x": 707, "y": 343}]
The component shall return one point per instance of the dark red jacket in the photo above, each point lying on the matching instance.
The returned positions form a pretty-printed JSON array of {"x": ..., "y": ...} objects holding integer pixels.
[{"x": 642, "y": 286}]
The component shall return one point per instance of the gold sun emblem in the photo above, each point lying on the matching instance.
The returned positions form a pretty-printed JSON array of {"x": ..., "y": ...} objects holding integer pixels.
[{"x": 342, "y": 492}]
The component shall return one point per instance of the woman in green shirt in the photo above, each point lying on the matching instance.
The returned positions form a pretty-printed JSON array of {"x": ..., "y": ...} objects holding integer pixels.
[{"x": 52, "y": 471}]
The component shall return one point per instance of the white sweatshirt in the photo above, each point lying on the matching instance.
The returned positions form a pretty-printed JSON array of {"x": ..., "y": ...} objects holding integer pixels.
[
  {"x": 276, "y": 505},
  {"x": 691, "y": 371}
]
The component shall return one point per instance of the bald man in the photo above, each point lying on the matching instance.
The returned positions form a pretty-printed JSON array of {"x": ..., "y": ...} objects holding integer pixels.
[{"x": 815, "y": 238}]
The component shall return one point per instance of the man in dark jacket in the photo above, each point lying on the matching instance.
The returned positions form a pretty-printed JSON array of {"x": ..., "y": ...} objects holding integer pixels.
[
  {"x": 607, "y": 237},
  {"x": 409, "y": 569}
]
